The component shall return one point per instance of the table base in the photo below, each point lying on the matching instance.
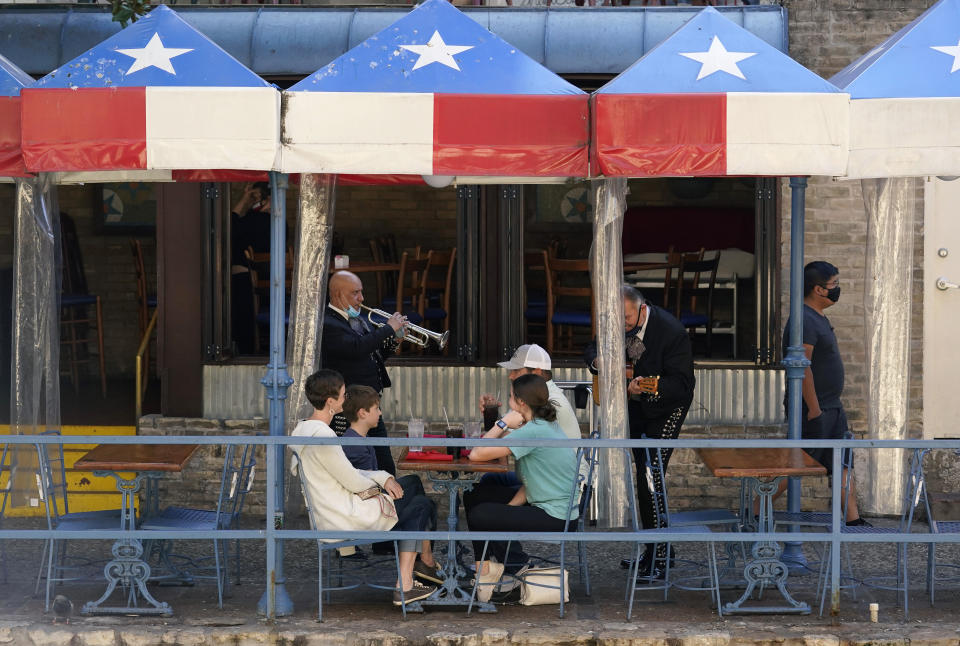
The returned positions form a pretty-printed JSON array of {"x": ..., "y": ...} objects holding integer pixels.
[
  {"x": 766, "y": 569},
  {"x": 128, "y": 568}
]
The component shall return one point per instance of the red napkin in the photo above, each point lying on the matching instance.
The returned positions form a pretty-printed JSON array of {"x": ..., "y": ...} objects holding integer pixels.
[
  {"x": 434, "y": 435},
  {"x": 429, "y": 455}
]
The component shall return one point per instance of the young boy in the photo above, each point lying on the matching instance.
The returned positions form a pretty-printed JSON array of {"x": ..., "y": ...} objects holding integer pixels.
[{"x": 362, "y": 410}]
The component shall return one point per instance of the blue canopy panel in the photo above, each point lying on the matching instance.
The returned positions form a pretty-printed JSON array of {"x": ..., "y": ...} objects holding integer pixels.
[
  {"x": 713, "y": 99},
  {"x": 158, "y": 95},
  {"x": 12, "y": 80},
  {"x": 905, "y": 100},
  {"x": 436, "y": 94}
]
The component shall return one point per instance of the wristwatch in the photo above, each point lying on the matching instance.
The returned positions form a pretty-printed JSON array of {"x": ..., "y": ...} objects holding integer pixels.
[{"x": 501, "y": 424}]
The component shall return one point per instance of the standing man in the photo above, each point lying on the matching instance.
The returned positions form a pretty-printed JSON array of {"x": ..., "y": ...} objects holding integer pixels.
[
  {"x": 658, "y": 398},
  {"x": 249, "y": 227},
  {"x": 357, "y": 350},
  {"x": 822, "y": 412}
]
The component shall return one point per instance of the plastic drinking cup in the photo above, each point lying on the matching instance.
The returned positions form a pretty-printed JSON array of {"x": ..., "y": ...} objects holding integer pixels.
[{"x": 415, "y": 430}]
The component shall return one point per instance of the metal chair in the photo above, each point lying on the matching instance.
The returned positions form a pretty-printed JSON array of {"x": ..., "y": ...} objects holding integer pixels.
[
  {"x": 236, "y": 481},
  {"x": 639, "y": 582},
  {"x": 936, "y": 526},
  {"x": 582, "y": 485},
  {"x": 690, "y": 271},
  {"x": 330, "y": 548},
  {"x": 901, "y": 581},
  {"x": 5, "y": 468},
  {"x": 52, "y": 490}
]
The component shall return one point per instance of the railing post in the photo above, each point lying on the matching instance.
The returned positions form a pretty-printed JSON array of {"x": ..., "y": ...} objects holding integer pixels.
[
  {"x": 795, "y": 361},
  {"x": 275, "y": 601}
]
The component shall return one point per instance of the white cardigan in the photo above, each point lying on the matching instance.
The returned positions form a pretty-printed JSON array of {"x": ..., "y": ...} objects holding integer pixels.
[{"x": 332, "y": 483}]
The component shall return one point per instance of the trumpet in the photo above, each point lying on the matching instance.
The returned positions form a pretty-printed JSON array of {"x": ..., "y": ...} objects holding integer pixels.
[{"x": 413, "y": 333}]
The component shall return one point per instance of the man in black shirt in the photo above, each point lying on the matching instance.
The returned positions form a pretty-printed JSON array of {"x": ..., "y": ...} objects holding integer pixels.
[
  {"x": 823, "y": 415},
  {"x": 249, "y": 227}
]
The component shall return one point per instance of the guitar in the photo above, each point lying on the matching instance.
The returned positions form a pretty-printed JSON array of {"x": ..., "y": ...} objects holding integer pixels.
[{"x": 648, "y": 385}]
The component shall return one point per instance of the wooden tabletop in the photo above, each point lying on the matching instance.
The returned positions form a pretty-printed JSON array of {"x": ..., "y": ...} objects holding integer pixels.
[
  {"x": 462, "y": 465},
  {"x": 136, "y": 457},
  {"x": 760, "y": 463}
]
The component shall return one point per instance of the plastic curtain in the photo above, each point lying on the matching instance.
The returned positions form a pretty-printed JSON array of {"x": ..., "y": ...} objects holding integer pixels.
[
  {"x": 606, "y": 272},
  {"x": 890, "y": 206},
  {"x": 308, "y": 299},
  {"x": 35, "y": 347}
]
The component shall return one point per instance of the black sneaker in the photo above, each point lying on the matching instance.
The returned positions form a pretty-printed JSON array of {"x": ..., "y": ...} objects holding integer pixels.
[
  {"x": 430, "y": 573},
  {"x": 859, "y": 522},
  {"x": 418, "y": 592}
]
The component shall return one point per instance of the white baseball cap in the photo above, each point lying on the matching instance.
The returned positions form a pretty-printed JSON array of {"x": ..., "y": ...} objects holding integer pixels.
[{"x": 528, "y": 356}]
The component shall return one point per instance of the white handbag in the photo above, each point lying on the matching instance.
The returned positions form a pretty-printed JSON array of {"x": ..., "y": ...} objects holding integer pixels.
[{"x": 541, "y": 586}]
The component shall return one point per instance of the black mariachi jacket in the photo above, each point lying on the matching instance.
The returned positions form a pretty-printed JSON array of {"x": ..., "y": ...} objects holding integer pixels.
[
  {"x": 358, "y": 357},
  {"x": 667, "y": 354}
]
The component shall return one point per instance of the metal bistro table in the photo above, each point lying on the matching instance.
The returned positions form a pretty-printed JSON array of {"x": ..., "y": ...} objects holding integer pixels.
[
  {"x": 762, "y": 470},
  {"x": 453, "y": 477},
  {"x": 150, "y": 462}
]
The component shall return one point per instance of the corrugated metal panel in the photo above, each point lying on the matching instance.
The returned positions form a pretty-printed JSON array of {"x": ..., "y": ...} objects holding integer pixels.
[
  {"x": 234, "y": 392},
  {"x": 724, "y": 396}
]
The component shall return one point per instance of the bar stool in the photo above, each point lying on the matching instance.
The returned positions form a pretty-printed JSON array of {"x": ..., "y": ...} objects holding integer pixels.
[{"x": 75, "y": 321}]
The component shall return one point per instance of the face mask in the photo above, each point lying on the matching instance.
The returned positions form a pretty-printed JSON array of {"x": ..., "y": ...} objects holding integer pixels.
[
  {"x": 352, "y": 312},
  {"x": 834, "y": 294}
]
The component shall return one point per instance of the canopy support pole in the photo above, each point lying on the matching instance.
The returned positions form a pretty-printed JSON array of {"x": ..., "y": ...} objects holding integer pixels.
[
  {"x": 275, "y": 601},
  {"x": 796, "y": 361}
]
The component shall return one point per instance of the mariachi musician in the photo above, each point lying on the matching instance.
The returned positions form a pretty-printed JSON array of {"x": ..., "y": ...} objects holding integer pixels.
[
  {"x": 659, "y": 392},
  {"x": 357, "y": 350}
]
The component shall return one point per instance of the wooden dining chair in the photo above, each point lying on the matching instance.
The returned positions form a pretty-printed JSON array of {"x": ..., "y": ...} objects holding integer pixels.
[
  {"x": 535, "y": 293},
  {"x": 412, "y": 287},
  {"x": 258, "y": 263},
  {"x": 689, "y": 276},
  {"x": 569, "y": 301},
  {"x": 435, "y": 306}
]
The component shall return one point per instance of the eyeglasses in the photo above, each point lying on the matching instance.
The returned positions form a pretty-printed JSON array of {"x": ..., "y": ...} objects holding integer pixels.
[{"x": 833, "y": 283}]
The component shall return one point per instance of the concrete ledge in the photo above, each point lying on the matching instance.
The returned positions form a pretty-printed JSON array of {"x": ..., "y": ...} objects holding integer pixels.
[{"x": 366, "y": 632}]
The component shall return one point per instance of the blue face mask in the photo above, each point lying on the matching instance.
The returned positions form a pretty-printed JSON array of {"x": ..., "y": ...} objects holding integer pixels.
[{"x": 353, "y": 313}]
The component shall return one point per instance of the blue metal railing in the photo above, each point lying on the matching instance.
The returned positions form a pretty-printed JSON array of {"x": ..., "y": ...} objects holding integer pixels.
[{"x": 272, "y": 533}]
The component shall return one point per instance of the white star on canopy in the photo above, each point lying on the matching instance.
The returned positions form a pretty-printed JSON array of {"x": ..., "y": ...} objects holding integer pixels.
[
  {"x": 436, "y": 51},
  {"x": 153, "y": 55},
  {"x": 718, "y": 59},
  {"x": 950, "y": 50}
]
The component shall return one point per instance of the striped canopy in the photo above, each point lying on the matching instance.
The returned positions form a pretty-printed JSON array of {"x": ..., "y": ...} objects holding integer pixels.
[
  {"x": 714, "y": 99},
  {"x": 158, "y": 95},
  {"x": 435, "y": 93},
  {"x": 905, "y": 100},
  {"x": 12, "y": 80}
]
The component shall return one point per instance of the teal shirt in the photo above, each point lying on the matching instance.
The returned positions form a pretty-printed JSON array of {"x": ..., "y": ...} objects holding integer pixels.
[{"x": 547, "y": 472}]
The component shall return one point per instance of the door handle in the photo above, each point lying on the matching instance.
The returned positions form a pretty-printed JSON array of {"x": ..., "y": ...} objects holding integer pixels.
[{"x": 943, "y": 284}]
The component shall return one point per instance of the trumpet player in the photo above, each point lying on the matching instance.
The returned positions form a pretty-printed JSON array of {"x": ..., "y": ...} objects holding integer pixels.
[{"x": 357, "y": 350}]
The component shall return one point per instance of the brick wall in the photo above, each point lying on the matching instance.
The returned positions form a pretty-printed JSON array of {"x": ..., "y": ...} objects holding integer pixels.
[{"x": 825, "y": 36}]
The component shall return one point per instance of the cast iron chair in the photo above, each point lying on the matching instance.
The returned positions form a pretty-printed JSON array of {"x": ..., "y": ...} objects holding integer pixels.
[
  {"x": 582, "y": 485},
  {"x": 236, "y": 481},
  {"x": 900, "y": 580},
  {"x": 52, "y": 490},
  {"x": 637, "y": 581},
  {"x": 328, "y": 548}
]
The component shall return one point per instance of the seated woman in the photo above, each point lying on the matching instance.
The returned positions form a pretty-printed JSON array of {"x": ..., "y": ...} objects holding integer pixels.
[
  {"x": 547, "y": 475},
  {"x": 333, "y": 484}
]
